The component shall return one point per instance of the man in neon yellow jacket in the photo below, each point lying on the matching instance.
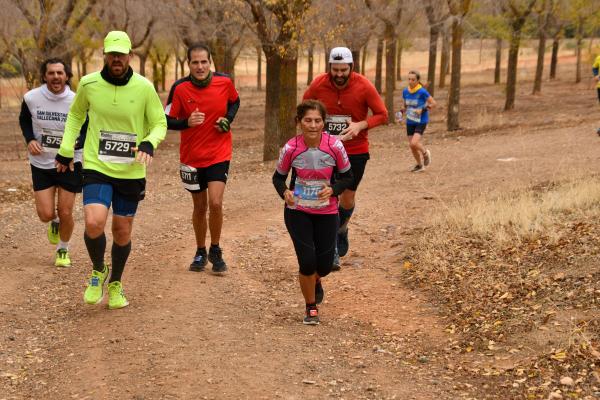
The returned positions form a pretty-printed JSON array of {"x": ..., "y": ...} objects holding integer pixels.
[{"x": 126, "y": 124}]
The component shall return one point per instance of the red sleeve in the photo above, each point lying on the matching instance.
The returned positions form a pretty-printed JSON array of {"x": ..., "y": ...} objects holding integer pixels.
[
  {"x": 380, "y": 113},
  {"x": 309, "y": 94},
  {"x": 176, "y": 109}
]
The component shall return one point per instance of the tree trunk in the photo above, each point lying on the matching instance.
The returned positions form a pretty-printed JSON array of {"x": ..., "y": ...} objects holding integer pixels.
[
  {"x": 554, "y": 59},
  {"x": 176, "y": 69},
  {"x": 498, "y": 66},
  {"x": 326, "y": 54},
  {"x": 258, "y": 68},
  {"x": 399, "y": 61},
  {"x": 79, "y": 70},
  {"x": 280, "y": 104},
  {"x": 143, "y": 64},
  {"x": 163, "y": 76},
  {"x": 288, "y": 100},
  {"x": 434, "y": 33},
  {"x": 363, "y": 62},
  {"x": 311, "y": 62},
  {"x": 539, "y": 69},
  {"x": 578, "y": 62},
  {"x": 390, "y": 71},
  {"x": 271, "y": 135},
  {"x": 155, "y": 75},
  {"x": 511, "y": 71},
  {"x": 445, "y": 60},
  {"x": 379, "y": 65},
  {"x": 453, "y": 121},
  {"x": 356, "y": 59}
]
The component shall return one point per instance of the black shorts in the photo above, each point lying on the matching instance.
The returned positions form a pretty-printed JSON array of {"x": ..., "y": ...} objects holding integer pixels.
[
  {"x": 69, "y": 180},
  {"x": 358, "y": 163},
  {"x": 412, "y": 129},
  {"x": 599, "y": 94},
  {"x": 198, "y": 181}
]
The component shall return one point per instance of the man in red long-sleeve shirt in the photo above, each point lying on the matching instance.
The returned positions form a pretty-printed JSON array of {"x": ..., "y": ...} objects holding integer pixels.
[{"x": 348, "y": 96}]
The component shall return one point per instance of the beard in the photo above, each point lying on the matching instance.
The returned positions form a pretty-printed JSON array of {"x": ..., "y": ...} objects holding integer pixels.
[{"x": 341, "y": 81}]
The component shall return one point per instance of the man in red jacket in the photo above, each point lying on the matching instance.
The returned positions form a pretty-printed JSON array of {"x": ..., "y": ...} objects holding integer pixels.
[{"x": 348, "y": 96}]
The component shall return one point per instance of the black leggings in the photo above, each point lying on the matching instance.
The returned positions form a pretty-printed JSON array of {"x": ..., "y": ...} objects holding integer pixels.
[{"x": 314, "y": 237}]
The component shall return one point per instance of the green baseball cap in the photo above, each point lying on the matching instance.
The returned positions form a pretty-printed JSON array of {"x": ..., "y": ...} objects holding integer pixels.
[{"x": 117, "y": 42}]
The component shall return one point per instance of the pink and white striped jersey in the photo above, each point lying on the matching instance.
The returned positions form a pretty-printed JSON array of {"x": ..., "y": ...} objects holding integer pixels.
[{"x": 312, "y": 168}]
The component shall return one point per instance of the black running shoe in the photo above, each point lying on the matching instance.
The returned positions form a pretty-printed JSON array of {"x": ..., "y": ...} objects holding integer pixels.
[
  {"x": 199, "y": 262},
  {"x": 311, "y": 317},
  {"x": 342, "y": 243},
  {"x": 215, "y": 256},
  {"x": 319, "y": 292}
]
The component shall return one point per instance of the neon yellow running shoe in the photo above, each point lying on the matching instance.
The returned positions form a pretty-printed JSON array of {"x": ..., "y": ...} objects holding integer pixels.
[
  {"x": 62, "y": 258},
  {"x": 53, "y": 236},
  {"x": 116, "y": 297},
  {"x": 95, "y": 289}
]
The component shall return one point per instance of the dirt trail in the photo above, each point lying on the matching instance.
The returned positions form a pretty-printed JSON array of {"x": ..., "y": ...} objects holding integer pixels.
[{"x": 194, "y": 335}]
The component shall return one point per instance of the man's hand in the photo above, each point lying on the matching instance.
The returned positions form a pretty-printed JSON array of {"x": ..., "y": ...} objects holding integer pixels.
[
  {"x": 34, "y": 148},
  {"x": 288, "y": 196},
  {"x": 222, "y": 125},
  {"x": 196, "y": 118},
  {"x": 63, "y": 168},
  {"x": 353, "y": 130},
  {"x": 142, "y": 157},
  {"x": 597, "y": 78}
]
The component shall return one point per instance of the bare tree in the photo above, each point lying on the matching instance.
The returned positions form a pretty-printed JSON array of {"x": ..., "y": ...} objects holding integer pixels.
[
  {"x": 47, "y": 31},
  {"x": 436, "y": 16},
  {"x": 582, "y": 14},
  {"x": 278, "y": 26},
  {"x": 379, "y": 65},
  {"x": 543, "y": 17},
  {"x": 516, "y": 13},
  {"x": 221, "y": 24},
  {"x": 390, "y": 14},
  {"x": 445, "y": 58},
  {"x": 458, "y": 11}
]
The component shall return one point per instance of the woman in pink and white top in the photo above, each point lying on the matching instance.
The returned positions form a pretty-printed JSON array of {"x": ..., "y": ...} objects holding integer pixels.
[{"x": 311, "y": 204}]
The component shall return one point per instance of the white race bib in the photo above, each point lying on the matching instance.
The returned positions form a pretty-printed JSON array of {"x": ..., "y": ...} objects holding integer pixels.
[
  {"x": 413, "y": 115},
  {"x": 189, "y": 177},
  {"x": 335, "y": 124},
  {"x": 306, "y": 193},
  {"x": 117, "y": 147},
  {"x": 51, "y": 139}
]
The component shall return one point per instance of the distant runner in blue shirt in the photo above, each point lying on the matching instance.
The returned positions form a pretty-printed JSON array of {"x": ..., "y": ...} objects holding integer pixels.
[{"x": 417, "y": 103}]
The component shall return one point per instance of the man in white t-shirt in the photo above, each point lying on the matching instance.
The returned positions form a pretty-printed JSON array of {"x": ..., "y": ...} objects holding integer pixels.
[{"x": 43, "y": 114}]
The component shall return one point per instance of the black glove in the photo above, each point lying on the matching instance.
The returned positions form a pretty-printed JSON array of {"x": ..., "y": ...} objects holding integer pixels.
[
  {"x": 224, "y": 125},
  {"x": 66, "y": 161},
  {"x": 147, "y": 148}
]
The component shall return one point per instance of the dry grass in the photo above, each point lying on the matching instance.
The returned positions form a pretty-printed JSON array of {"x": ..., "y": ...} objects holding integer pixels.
[
  {"x": 522, "y": 216},
  {"x": 517, "y": 276}
]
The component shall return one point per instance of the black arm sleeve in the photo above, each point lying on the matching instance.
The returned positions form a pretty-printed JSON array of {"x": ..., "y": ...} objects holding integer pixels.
[
  {"x": 279, "y": 183},
  {"x": 82, "y": 134},
  {"x": 25, "y": 122},
  {"x": 232, "y": 109},
  {"x": 176, "y": 124},
  {"x": 344, "y": 180}
]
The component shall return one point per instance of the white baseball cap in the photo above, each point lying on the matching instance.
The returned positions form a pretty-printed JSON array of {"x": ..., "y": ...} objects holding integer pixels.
[{"x": 340, "y": 55}]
